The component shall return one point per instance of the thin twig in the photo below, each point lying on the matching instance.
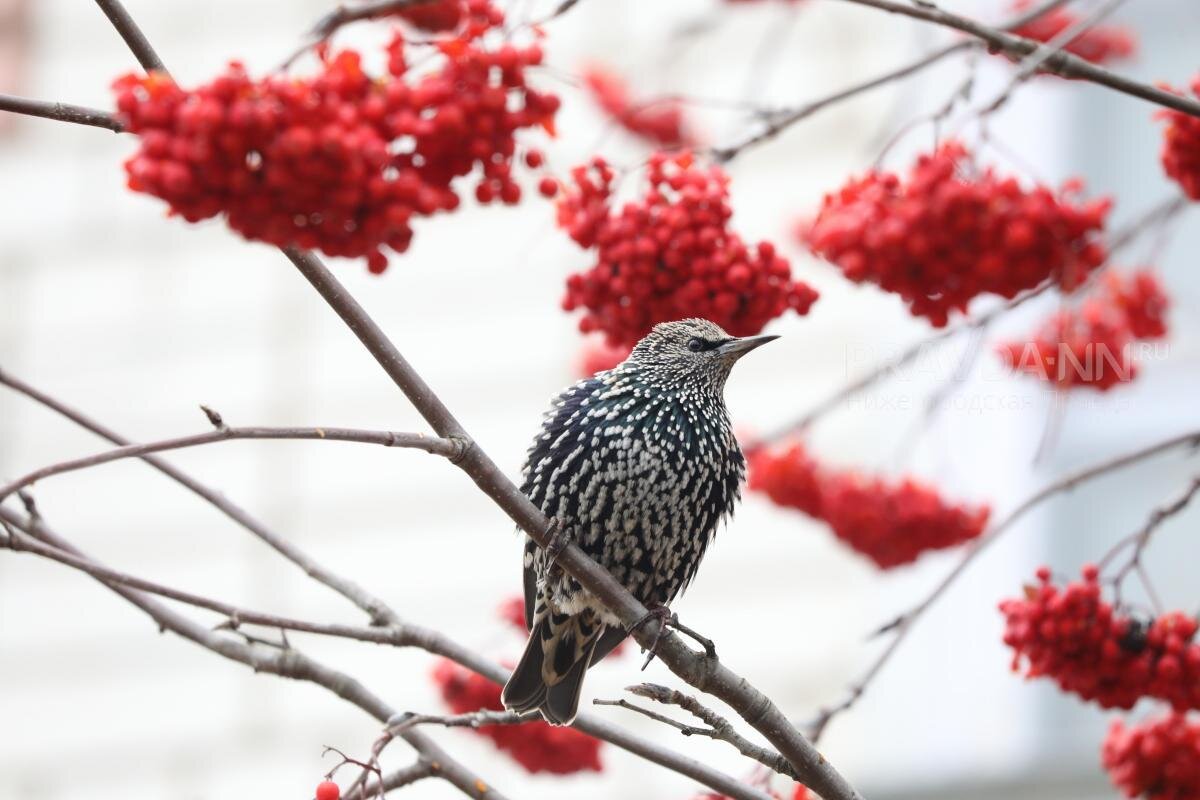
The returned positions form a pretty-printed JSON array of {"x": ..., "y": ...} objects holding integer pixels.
[
  {"x": 63, "y": 112},
  {"x": 394, "y": 780},
  {"x": 1061, "y": 63},
  {"x": 137, "y": 42},
  {"x": 418, "y": 441},
  {"x": 718, "y": 727},
  {"x": 901, "y": 625}
]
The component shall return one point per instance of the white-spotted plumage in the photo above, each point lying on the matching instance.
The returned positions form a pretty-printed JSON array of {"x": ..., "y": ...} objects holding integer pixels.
[{"x": 640, "y": 466}]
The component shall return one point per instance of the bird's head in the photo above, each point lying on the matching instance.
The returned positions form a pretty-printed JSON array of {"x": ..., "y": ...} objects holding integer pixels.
[{"x": 692, "y": 351}]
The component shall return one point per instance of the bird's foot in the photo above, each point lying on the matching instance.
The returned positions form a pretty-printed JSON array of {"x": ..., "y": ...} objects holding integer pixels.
[
  {"x": 559, "y": 538},
  {"x": 668, "y": 619}
]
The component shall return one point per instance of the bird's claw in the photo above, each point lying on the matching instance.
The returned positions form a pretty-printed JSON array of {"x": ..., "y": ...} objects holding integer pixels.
[
  {"x": 668, "y": 619},
  {"x": 558, "y": 539}
]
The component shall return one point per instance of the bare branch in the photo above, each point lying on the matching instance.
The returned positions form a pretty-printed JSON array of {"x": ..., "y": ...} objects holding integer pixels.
[
  {"x": 63, "y": 112},
  {"x": 471, "y": 719},
  {"x": 901, "y": 625},
  {"x": 419, "y": 441},
  {"x": 288, "y": 663},
  {"x": 378, "y": 610},
  {"x": 387, "y": 629},
  {"x": 344, "y": 15},
  {"x": 718, "y": 727},
  {"x": 394, "y": 780},
  {"x": 1060, "y": 63},
  {"x": 132, "y": 34},
  {"x": 707, "y": 675},
  {"x": 1141, "y": 538}
]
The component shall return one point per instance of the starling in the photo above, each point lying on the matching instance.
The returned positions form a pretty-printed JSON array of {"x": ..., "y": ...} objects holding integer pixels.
[{"x": 638, "y": 466}]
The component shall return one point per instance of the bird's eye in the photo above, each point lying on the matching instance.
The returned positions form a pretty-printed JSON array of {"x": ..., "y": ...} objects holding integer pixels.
[{"x": 695, "y": 345}]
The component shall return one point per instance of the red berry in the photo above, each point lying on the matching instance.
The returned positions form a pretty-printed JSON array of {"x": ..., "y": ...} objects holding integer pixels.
[
  {"x": 669, "y": 254},
  {"x": 328, "y": 790},
  {"x": 314, "y": 162},
  {"x": 548, "y": 187}
]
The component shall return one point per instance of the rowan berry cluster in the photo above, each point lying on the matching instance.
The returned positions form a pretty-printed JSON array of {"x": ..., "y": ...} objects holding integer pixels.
[
  {"x": 1099, "y": 44},
  {"x": 343, "y": 161},
  {"x": 1090, "y": 347},
  {"x": 1157, "y": 759},
  {"x": 1181, "y": 147},
  {"x": 536, "y": 746},
  {"x": 948, "y": 233},
  {"x": 889, "y": 522},
  {"x": 670, "y": 255},
  {"x": 660, "y": 122},
  {"x": 1077, "y": 639}
]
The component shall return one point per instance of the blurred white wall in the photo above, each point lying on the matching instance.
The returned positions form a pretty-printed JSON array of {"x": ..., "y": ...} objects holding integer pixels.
[{"x": 137, "y": 319}]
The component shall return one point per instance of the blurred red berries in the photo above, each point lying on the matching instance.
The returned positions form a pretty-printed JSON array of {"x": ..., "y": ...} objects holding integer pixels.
[
  {"x": 659, "y": 122},
  {"x": 536, "y": 746},
  {"x": 1078, "y": 640},
  {"x": 1157, "y": 759},
  {"x": 1181, "y": 147},
  {"x": 1090, "y": 347},
  {"x": 1099, "y": 43},
  {"x": 948, "y": 233},
  {"x": 889, "y": 522},
  {"x": 343, "y": 161},
  {"x": 669, "y": 255},
  {"x": 598, "y": 356}
]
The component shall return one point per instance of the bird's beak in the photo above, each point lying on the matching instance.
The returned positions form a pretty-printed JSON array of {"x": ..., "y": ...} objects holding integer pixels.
[{"x": 739, "y": 347}]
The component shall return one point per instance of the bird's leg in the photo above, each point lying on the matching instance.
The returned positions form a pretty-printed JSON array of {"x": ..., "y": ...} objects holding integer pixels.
[{"x": 668, "y": 619}]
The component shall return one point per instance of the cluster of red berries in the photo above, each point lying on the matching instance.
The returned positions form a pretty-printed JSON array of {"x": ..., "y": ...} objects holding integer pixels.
[
  {"x": 1181, "y": 147},
  {"x": 343, "y": 161},
  {"x": 1099, "y": 44},
  {"x": 1090, "y": 347},
  {"x": 536, "y": 746},
  {"x": 1158, "y": 759},
  {"x": 1074, "y": 637},
  {"x": 892, "y": 523},
  {"x": 941, "y": 237},
  {"x": 670, "y": 255},
  {"x": 660, "y": 122}
]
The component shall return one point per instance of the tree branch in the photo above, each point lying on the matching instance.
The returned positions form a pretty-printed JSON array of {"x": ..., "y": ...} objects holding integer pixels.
[
  {"x": 63, "y": 112},
  {"x": 375, "y": 607},
  {"x": 900, "y": 627},
  {"x": 1061, "y": 63},
  {"x": 419, "y": 441},
  {"x": 718, "y": 727},
  {"x": 287, "y": 663},
  {"x": 132, "y": 34}
]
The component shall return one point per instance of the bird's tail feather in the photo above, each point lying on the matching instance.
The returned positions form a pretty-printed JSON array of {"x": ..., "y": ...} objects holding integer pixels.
[{"x": 549, "y": 676}]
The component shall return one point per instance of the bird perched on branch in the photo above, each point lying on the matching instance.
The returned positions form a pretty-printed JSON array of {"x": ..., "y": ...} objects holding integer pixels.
[{"x": 638, "y": 466}]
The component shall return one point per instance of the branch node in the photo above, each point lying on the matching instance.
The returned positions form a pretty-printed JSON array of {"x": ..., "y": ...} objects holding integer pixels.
[{"x": 214, "y": 418}]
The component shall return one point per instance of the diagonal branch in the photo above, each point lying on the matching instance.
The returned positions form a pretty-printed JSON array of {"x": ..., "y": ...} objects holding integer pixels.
[
  {"x": 446, "y": 448},
  {"x": 287, "y": 663},
  {"x": 1060, "y": 63}
]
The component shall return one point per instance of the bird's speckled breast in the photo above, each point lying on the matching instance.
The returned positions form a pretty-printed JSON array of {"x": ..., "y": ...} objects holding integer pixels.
[{"x": 642, "y": 478}]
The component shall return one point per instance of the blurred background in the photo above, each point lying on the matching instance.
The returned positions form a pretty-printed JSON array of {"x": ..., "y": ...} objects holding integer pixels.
[{"x": 138, "y": 319}]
